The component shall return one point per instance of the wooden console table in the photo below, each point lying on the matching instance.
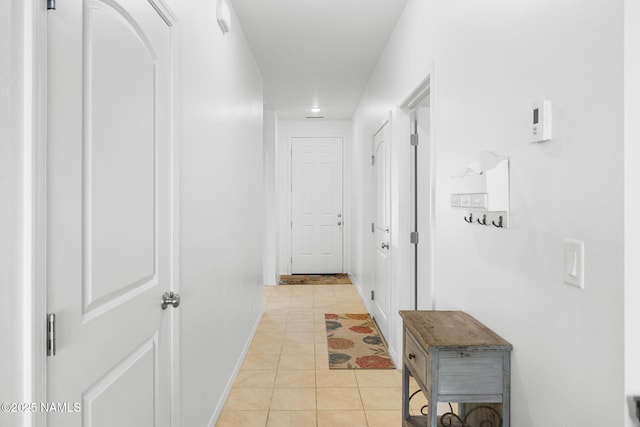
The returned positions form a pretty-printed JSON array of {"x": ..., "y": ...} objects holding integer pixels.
[{"x": 454, "y": 358}]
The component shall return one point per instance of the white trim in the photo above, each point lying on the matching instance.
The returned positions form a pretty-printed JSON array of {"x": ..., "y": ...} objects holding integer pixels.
[
  {"x": 175, "y": 377},
  {"x": 345, "y": 230},
  {"x": 288, "y": 129},
  {"x": 35, "y": 213},
  {"x": 417, "y": 95},
  {"x": 424, "y": 89},
  {"x": 387, "y": 121},
  {"x": 402, "y": 293},
  {"x": 382, "y": 124},
  {"x": 397, "y": 359},
  {"x": 227, "y": 389},
  {"x": 164, "y": 11},
  {"x": 433, "y": 180}
]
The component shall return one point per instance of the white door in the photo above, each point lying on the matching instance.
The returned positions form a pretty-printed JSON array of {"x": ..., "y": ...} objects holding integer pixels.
[
  {"x": 316, "y": 205},
  {"x": 110, "y": 180},
  {"x": 382, "y": 261}
]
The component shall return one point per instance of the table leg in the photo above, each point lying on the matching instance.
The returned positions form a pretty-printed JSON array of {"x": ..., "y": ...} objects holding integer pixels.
[{"x": 405, "y": 392}]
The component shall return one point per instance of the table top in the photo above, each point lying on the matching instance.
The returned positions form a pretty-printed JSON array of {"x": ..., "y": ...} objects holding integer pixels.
[{"x": 451, "y": 330}]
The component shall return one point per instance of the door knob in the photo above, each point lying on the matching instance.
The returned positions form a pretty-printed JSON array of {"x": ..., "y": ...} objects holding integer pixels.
[
  {"x": 339, "y": 222},
  {"x": 339, "y": 215},
  {"x": 169, "y": 298},
  {"x": 385, "y": 246}
]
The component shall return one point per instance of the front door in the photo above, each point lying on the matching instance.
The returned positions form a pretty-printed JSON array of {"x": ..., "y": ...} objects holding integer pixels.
[
  {"x": 382, "y": 232},
  {"x": 316, "y": 205},
  {"x": 110, "y": 222}
]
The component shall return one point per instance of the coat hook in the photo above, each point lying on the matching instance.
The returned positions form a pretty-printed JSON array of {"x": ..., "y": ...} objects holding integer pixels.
[
  {"x": 470, "y": 219},
  {"x": 484, "y": 220},
  {"x": 499, "y": 224}
]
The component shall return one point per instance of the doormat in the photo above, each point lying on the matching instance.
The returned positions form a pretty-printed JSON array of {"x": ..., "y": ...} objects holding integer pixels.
[
  {"x": 355, "y": 342},
  {"x": 316, "y": 279}
]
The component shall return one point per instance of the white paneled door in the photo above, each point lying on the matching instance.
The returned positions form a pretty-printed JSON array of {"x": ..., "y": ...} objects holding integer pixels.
[
  {"x": 382, "y": 259},
  {"x": 110, "y": 181},
  {"x": 316, "y": 205}
]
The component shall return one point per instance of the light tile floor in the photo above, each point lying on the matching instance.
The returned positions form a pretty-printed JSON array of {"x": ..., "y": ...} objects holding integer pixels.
[{"x": 286, "y": 381}]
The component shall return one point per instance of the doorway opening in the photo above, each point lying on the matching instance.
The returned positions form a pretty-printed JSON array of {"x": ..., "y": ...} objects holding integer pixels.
[{"x": 418, "y": 111}]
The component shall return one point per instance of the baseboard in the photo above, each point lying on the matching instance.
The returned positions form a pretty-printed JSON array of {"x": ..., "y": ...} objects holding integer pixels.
[
  {"x": 394, "y": 356},
  {"x": 397, "y": 358},
  {"x": 366, "y": 299},
  {"x": 227, "y": 390},
  {"x": 276, "y": 282}
]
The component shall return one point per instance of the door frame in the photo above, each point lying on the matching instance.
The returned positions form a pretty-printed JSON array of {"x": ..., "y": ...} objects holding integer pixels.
[
  {"x": 34, "y": 209},
  {"x": 386, "y": 121},
  {"x": 345, "y": 230},
  {"x": 298, "y": 129},
  {"x": 412, "y": 100}
]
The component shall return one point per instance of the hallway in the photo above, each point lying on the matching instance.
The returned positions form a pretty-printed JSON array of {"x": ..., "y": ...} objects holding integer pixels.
[
  {"x": 285, "y": 379},
  {"x": 147, "y": 153}
]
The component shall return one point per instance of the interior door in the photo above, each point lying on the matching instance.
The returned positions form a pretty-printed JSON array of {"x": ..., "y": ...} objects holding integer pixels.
[
  {"x": 110, "y": 181},
  {"x": 382, "y": 262},
  {"x": 316, "y": 205}
]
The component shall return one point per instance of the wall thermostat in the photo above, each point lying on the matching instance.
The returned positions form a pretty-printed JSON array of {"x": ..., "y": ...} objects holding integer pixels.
[{"x": 541, "y": 121}]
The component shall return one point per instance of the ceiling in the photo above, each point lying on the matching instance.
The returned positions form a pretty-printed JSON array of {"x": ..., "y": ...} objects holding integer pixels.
[{"x": 316, "y": 52}]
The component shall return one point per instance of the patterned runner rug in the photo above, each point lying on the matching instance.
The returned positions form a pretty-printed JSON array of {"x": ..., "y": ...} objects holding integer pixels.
[
  {"x": 315, "y": 279},
  {"x": 355, "y": 343}
]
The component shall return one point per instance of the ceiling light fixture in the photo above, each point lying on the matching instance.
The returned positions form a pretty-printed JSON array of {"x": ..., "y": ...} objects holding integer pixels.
[{"x": 315, "y": 110}]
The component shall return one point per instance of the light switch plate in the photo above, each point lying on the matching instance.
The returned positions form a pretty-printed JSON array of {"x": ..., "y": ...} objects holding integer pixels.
[{"x": 574, "y": 263}]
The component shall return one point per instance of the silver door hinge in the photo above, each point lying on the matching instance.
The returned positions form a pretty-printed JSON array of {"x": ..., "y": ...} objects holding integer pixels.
[
  {"x": 51, "y": 4},
  {"x": 373, "y": 227},
  {"x": 51, "y": 334},
  {"x": 291, "y": 224},
  {"x": 373, "y": 160},
  {"x": 372, "y": 295},
  {"x": 414, "y": 139},
  {"x": 415, "y": 236}
]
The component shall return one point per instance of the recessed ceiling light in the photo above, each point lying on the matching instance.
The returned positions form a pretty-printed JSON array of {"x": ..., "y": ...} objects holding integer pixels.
[{"x": 315, "y": 110}]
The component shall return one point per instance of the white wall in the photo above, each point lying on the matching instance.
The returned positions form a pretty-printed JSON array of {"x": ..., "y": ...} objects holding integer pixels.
[
  {"x": 12, "y": 83},
  {"x": 632, "y": 206},
  {"x": 221, "y": 203},
  {"x": 270, "y": 168},
  {"x": 288, "y": 129},
  {"x": 490, "y": 60},
  {"x": 221, "y": 207}
]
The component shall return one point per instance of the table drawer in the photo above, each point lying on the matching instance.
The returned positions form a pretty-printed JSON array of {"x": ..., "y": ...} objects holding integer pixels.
[
  {"x": 470, "y": 372},
  {"x": 415, "y": 357}
]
